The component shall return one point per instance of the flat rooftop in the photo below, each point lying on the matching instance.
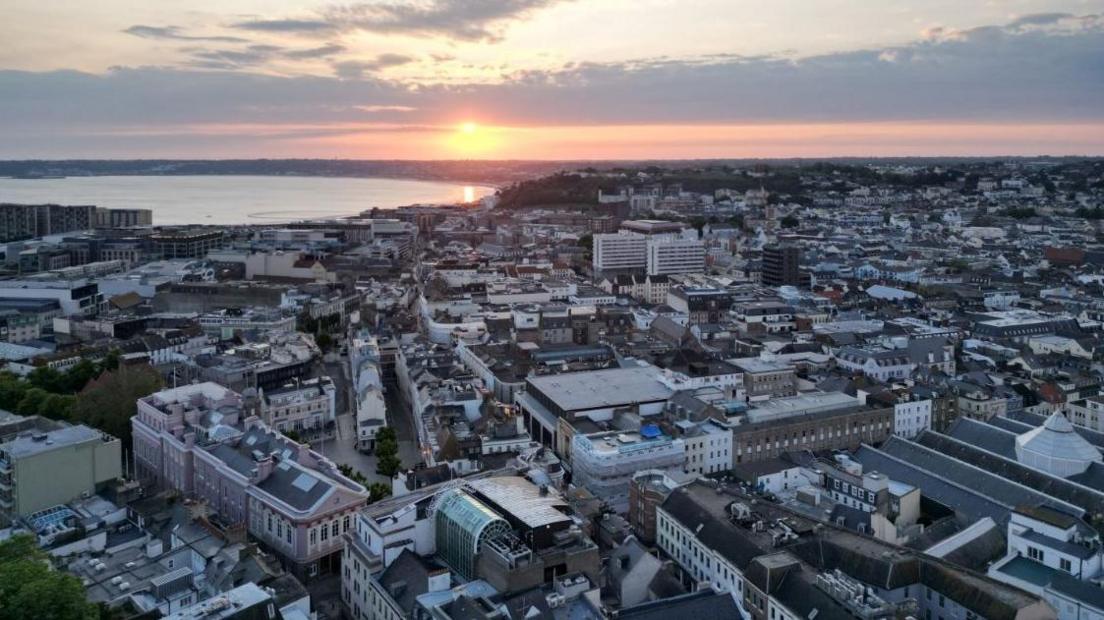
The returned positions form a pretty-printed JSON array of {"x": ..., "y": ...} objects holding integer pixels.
[
  {"x": 30, "y": 443},
  {"x": 523, "y": 500},
  {"x": 758, "y": 364},
  {"x": 817, "y": 402},
  {"x": 597, "y": 389}
]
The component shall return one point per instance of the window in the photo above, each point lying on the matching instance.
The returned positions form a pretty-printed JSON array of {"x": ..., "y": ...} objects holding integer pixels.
[
  {"x": 1035, "y": 554},
  {"x": 1065, "y": 565}
]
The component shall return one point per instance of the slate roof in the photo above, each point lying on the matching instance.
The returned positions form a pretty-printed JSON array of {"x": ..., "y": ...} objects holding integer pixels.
[
  {"x": 978, "y": 553},
  {"x": 1088, "y": 499},
  {"x": 295, "y": 485},
  {"x": 716, "y": 533},
  {"x": 406, "y": 578},
  {"x": 1068, "y": 548},
  {"x": 701, "y": 605},
  {"x": 984, "y": 436},
  {"x": 968, "y": 492},
  {"x": 1083, "y": 591}
]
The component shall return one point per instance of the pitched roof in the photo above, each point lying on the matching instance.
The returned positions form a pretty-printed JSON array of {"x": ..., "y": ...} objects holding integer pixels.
[{"x": 701, "y": 605}]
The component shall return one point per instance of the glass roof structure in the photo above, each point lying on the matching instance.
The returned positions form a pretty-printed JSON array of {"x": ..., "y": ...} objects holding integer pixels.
[{"x": 464, "y": 524}]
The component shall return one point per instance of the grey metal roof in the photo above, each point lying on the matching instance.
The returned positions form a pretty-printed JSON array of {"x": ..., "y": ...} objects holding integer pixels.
[
  {"x": 984, "y": 436},
  {"x": 976, "y": 478},
  {"x": 954, "y": 489},
  {"x": 523, "y": 500},
  {"x": 1053, "y": 487}
]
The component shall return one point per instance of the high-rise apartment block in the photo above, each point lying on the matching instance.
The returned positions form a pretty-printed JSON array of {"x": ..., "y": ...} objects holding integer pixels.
[
  {"x": 649, "y": 246},
  {"x": 780, "y": 265}
]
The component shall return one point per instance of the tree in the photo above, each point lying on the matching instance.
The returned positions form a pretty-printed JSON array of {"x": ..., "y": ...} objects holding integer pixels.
[
  {"x": 324, "y": 341},
  {"x": 1020, "y": 213},
  {"x": 57, "y": 406},
  {"x": 387, "y": 452},
  {"x": 790, "y": 222},
  {"x": 108, "y": 402},
  {"x": 33, "y": 399},
  {"x": 111, "y": 360},
  {"x": 30, "y": 589},
  {"x": 46, "y": 378},
  {"x": 79, "y": 375},
  {"x": 387, "y": 434},
  {"x": 12, "y": 390},
  {"x": 388, "y": 464},
  {"x": 378, "y": 491}
]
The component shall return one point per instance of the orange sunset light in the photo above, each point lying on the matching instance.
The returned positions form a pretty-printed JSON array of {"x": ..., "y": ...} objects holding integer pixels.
[{"x": 470, "y": 140}]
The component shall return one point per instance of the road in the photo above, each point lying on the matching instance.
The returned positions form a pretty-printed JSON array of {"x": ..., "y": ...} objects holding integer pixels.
[
  {"x": 341, "y": 448},
  {"x": 401, "y": 418}
]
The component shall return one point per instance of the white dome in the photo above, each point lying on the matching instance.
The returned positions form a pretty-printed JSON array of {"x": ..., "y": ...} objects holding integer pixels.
[{"x": 1056, "y": 448}]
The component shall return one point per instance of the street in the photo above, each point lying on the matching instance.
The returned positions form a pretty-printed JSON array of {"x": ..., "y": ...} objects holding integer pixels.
[{"x": 341, "y": 448}]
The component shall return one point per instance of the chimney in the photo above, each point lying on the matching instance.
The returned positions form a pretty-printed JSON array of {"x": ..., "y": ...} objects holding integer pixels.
[
  {"x": 264, "y": 468},
  {"x": 437, "y": 581}
]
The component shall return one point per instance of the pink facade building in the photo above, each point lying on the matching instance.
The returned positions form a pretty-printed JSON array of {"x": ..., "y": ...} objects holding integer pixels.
[{"x": 196, "y": 440}]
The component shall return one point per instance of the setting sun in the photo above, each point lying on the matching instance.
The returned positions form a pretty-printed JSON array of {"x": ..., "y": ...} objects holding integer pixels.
[{"x": 472, "y": 140}]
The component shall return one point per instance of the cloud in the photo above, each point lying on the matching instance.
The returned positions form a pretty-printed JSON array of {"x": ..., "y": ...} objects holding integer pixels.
[
  {"x": 292, "y": 26},
  {"x": 1038, "y": 19},
  {"x": 467, "y": 20},
  {"x": 324, "y": 51},
  {"x": 175, "y": 33},
  {"x": 1005, "y": 74},
  {"x": 251, "y": 57},
  {"x": 255, "y": 56},
  {"x": 470, "y": 20},
  {"x": 385, "y": 108},
  {"x": 356, "y": 69}
]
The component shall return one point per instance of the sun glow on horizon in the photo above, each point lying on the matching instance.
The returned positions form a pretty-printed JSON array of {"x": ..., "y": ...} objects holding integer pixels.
[{"x": 472, "y": 140}]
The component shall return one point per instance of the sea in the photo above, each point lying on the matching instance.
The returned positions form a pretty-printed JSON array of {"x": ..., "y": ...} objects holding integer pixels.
[{"x": 226, "y": 200}]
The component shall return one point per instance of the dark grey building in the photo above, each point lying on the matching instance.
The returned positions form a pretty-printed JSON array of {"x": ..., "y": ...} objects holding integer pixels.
[{"x": 780, "y": 265}]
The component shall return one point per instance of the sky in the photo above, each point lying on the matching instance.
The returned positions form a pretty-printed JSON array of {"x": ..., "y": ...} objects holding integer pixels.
[{"x": 550, "y": 79}]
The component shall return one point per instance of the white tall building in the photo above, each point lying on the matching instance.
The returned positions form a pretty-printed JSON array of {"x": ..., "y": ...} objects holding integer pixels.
[
  {"x": 911, "y": 418},
  {"x": 621, "y": 251},
  {"x": 671, "y": 256},
  {"x": 658, "y": 254}
]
